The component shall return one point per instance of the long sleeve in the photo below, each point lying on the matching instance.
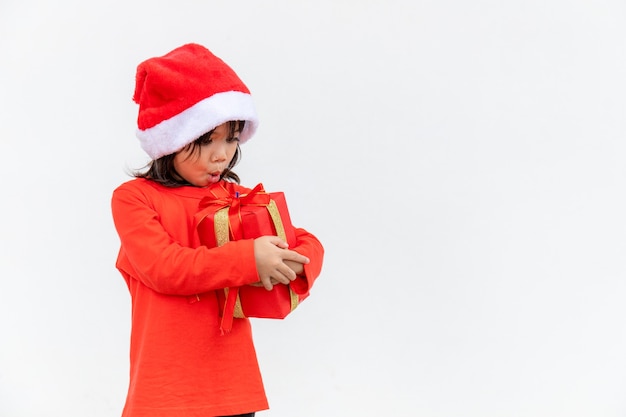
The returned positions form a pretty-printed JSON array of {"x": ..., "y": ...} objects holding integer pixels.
[
  {"x": 309, "y": 246},
  {"x": 159, "y": 246}
]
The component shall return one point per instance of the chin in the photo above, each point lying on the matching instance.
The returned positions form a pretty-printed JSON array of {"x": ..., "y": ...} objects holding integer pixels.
[{"x": 199, "y": 183}]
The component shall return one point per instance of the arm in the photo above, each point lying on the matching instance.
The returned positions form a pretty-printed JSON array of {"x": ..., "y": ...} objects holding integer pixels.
[
  {"x": 309, "y": 246},
  {"x": 150, "y": 254}
]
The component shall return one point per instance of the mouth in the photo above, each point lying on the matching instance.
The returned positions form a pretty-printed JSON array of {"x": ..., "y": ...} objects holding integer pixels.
[{"x": 214, "y": 176}]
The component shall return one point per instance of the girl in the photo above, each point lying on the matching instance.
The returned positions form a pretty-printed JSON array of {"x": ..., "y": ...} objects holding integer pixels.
[{"x": 194, "y": 112}]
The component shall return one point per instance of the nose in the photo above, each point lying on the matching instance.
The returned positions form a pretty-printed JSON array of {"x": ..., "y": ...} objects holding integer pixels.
[{"x": 218, "y": 153}]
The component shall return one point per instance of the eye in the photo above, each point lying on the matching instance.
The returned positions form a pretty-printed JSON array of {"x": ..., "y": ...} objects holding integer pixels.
[{"x": 204, "y": 139}]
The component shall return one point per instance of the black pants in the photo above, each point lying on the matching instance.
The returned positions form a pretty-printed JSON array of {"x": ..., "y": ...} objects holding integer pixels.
[{"x": 242, "y": 415}]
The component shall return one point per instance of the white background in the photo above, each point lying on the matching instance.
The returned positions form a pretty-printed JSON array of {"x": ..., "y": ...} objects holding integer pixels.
[{"x": 462, "y": 162}]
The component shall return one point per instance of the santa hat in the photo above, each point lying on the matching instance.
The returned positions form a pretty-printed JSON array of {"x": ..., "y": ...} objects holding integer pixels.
[{"x": 185, "y": 94}]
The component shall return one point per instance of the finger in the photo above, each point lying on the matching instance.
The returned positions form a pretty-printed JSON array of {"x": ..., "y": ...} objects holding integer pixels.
[
  {"x": 260, "y": 284},
  {"x": 296, "y": 257},
  {"x": 283, "y": 276},
  {"x": 288, "y": 273},
  {"x": 278, "y": 242},
  {"x": 267, "y": 283}
]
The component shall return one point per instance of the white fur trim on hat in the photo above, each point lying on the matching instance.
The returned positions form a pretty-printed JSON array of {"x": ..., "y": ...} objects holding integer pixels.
[{"x": 173, "y": 134}]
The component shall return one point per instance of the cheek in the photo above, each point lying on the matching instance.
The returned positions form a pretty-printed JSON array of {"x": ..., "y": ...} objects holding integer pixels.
[
  {"x": 177, "y": 163},
  {"x": 231, "y": 151},
  {"x": 183, "y": 162}
]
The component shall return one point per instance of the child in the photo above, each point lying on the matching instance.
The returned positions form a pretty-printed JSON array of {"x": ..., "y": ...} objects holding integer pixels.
[{"x": 194, "y": 111}]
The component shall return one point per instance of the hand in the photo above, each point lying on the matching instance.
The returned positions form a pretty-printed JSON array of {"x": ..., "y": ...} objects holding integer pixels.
[
  {"x": 296, "y": 267},
  {"x": 275, "y": 263},
  {"x": 260, "y": 284}
]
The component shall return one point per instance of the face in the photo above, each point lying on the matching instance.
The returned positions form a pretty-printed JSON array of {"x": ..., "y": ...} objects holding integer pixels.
[{"x": 204, "y": 165}]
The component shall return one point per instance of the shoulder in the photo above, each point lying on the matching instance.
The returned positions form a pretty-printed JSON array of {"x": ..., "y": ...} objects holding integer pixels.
[
  {"x": 138, "y": 186},
  {"x": 136, "y": 190},
  {"x": 134, "y": 184}
]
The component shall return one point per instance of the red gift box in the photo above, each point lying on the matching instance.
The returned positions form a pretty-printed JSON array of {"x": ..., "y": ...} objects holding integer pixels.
[{"x": 225, "y": 217}]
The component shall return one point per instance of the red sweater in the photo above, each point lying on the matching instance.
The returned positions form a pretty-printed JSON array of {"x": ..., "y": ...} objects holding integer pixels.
[{"x": 180, "y": 364}]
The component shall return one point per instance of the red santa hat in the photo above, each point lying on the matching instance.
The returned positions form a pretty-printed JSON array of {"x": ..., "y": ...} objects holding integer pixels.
[{"x": 183, "y": 95}]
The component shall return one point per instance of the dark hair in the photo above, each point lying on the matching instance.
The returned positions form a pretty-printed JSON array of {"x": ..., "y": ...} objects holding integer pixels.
[{"x": 162, "y": 170}]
